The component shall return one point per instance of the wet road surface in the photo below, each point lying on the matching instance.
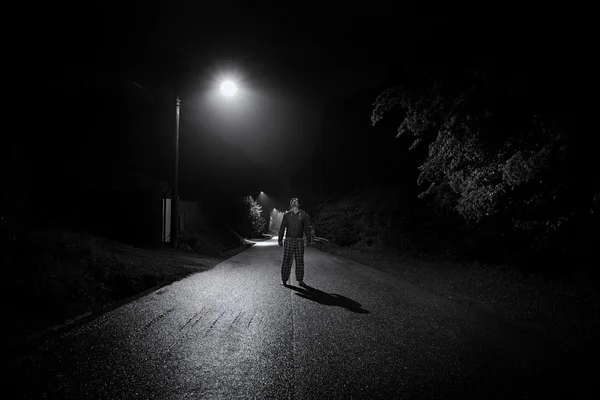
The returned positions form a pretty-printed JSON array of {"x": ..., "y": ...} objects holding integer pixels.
[{"x": 235, "y": 333}]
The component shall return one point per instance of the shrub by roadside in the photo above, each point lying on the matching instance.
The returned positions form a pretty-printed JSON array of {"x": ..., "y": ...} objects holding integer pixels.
[{"x": 213, "y": 243}]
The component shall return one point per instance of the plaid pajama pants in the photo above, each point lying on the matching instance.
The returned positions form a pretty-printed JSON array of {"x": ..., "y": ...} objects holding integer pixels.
[{"x": 293, "y": 249}]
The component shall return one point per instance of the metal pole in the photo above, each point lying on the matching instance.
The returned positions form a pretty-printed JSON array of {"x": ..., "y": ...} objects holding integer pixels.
[{"x": 175, "y": 191}]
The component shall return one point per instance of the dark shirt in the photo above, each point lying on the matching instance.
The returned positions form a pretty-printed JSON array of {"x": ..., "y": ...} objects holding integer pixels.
[{"x": 297, "y": 226}]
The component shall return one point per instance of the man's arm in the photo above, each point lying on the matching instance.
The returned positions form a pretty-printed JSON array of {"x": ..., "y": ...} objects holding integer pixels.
[
  {"x": 282, "y": 227},
  {"x": 307, "y": 232}
]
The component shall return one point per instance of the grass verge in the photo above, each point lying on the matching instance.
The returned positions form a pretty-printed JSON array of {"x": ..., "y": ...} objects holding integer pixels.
[
  {"x": 509, "y": 293},
  {"x": 60, "y": 275}
]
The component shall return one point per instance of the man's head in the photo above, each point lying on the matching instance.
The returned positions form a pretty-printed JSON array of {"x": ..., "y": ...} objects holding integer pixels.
[{"x": 295, "y": 202}]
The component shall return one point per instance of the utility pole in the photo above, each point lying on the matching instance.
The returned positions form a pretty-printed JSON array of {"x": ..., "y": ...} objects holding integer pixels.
[{"x": 175, "y": 191}]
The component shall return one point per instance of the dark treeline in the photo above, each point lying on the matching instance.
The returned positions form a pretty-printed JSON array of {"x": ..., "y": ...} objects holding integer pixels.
[{"x": 486, "y": 165}]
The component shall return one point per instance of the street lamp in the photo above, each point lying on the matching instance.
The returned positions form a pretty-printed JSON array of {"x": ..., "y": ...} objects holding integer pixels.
[{"x": 229, "y": 89}]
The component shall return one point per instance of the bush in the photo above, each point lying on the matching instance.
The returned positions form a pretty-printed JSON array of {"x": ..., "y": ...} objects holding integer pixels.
[
  {"x": 246, "y": 218},
  {"x": 385, "y": 218},
  {"x": 341, "y": 221},
  {"x": 202, "y": 242}
]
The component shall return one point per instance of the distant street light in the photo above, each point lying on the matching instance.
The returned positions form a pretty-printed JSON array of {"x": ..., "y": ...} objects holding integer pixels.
[{"x": 229, "y": 89}]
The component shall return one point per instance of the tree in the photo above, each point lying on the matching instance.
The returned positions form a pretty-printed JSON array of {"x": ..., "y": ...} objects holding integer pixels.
[
  {"x": 254, "y": 220},
  {"x": 493, "y": 153}
]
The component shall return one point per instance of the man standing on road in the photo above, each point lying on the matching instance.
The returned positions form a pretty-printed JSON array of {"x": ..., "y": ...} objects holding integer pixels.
[{"x": 295, "y": 224}]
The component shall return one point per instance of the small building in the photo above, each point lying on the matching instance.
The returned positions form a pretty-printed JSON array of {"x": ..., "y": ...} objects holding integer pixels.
[
  {"x": 129, "y": 207},
  {"x": 121, "y": 205},
  {"x": 190, "y": 217}
]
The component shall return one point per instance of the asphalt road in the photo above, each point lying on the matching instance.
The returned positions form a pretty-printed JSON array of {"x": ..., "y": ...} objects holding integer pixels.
[{"x": 235, "y": 333}]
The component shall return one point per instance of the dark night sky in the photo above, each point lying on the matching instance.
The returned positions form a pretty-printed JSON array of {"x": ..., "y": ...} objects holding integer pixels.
[{"x": 295, "y": 63}]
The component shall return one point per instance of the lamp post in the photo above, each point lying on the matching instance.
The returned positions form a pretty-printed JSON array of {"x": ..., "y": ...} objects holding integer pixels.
[
  {"x": 175, "y": 191},
  {"x": 228, "y": 89}
]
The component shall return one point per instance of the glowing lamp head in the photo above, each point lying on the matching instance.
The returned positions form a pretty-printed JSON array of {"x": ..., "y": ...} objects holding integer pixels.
[{"x": 228, "y": 88}]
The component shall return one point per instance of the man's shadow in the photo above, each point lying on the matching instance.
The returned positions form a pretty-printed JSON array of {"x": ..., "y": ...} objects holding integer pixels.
[{"x": 328, "y": 299}]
